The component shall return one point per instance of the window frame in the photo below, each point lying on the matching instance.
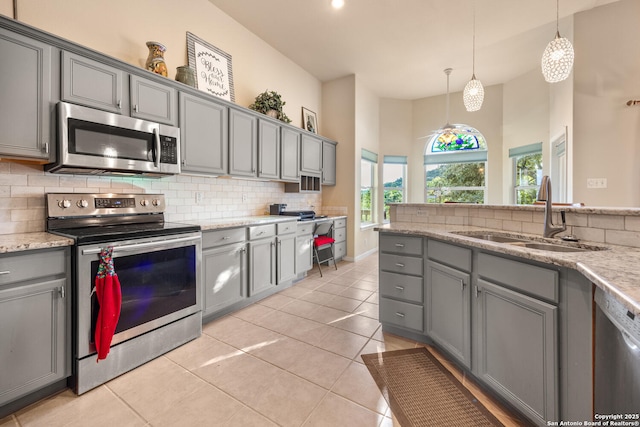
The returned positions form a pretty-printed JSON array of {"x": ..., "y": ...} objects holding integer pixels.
[
  {"x": 393, "y": 160},
  {"x": 516, "y": 154},
  {"x": 369, "y": 159}
]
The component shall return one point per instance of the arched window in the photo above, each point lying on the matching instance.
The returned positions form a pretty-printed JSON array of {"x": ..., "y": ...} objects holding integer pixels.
[{"x": 455, "y": 166}]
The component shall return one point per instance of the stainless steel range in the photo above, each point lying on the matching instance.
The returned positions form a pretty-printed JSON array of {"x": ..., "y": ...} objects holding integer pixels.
[{"x": 158, "y": 266}]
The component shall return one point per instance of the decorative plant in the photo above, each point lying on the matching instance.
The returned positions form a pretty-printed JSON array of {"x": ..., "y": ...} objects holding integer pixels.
[{"x": 270, "y": 101}]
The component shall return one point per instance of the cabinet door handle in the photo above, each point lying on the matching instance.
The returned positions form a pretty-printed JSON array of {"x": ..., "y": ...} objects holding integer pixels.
[
  {"x": 45, "y": 147},
  {"x": 398, "y": 264},
  {"x": 119, "y": 104},
  {"x": 243, "y": 250},
  {"x": 400, "y": 288},
  {"x": 226, "y": 237},
  {"x": 476, "y": 291},
  {"x": 462, "y": 285},
  {"x": 401, "y": 315},
  {"x": 260, "y": 233},
  {"x": 4, "y": 272},
  {"x": 61, "y": 292},
  {"x": 399, "y": 245}
]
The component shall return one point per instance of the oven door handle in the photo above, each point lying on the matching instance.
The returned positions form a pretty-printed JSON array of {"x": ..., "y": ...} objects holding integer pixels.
[{"x": 148, "y": 245}]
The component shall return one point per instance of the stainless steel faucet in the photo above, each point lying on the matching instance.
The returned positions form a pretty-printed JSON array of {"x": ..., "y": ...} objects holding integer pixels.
[{"x": 544, "y": 195}]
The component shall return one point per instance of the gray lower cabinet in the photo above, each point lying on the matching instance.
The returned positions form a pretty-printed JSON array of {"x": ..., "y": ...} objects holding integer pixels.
[
  {"x": 35, "y": 321},
  {"x": 401, "y": 272},
  {"x": 340, "y": 234},
  {"x": 448, "y": 311},
  {"x": 203, "y": 135},
  {"x": 243, "y": 143},
  {"x": 224, "y": 260},
  {"x": 27, "y": 102},
  {"x": 268, "y": 150},
  {"x": 262, "y": 258},
  {"x": 286, "y": 251},
  {"x": 304, "y": 247},
  {"x": 328, "y": 163},
  {"x": 289, "y": 155},
  {"x": 310, "y": 155},
  {"x": 516, "y": 334}
]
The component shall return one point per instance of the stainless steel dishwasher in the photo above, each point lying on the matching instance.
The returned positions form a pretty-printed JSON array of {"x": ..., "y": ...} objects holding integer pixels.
[{"x": 617, "y": 359}]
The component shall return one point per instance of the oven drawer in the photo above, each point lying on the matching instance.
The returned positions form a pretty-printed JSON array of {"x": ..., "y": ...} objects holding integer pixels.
[
  {"x": 211, "y": 239},
  {"x": 262, "y": 231},
  {"x": 31, "y": 265}
]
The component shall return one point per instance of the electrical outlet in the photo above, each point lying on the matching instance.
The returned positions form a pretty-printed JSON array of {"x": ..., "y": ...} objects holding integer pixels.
[
  {"x": 421, "y": 212},
  {"x": 596, "y": 182},
  {"x": 199, "y": 197},
  {"x": 244, "y": 197}
]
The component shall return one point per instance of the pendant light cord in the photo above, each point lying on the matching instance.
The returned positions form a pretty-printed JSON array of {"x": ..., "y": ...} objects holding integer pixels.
[
  {"x": 447, "y": 71},
  {"x": 473, "y": 55}
]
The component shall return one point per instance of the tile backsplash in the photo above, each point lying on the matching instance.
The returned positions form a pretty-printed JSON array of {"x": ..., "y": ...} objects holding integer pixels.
[
  {"x": 617, "y": 226},
  {"x": 23, "y": 186}
]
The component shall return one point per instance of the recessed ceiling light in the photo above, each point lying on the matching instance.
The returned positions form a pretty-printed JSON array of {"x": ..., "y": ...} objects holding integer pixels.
[{"x": 337, "y": 4}]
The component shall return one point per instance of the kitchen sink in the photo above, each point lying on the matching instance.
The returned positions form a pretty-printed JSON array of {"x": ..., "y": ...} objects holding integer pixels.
[
  {"x": 550, "y": 247},
  {"x": 527, "y": 242}
]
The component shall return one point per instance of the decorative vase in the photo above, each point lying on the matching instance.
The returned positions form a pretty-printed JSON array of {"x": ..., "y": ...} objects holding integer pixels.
[
  {"x": 273, "y": 113},
  {"x": 186, "y": 75},
  {"x": 155, "y": 61}
]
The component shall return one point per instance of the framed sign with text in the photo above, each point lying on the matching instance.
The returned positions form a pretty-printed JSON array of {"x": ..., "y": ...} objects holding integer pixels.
[{"x": 213, "y": 68}]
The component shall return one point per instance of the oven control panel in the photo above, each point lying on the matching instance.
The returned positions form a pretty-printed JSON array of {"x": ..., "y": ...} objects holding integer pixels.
[{"x": 80, "y": 204}]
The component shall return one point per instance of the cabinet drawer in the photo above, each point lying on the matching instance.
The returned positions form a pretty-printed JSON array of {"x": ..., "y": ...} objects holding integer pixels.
[
  {"x": 401, "y": 244},
  {"x": 287, "y": 227},
  {"x": 534, "y": 280},
  {"x": 401, "y": 264},
  {"x": 31, "y": 265},
  {"x": 400, "y": 286},
  {"x": 305, "y": 228},
  {"x": 340, "y": 234},
  {"x": 340, "y": 223},
  {"x": 340, "y": 250},
  {"x": 262, "y": 231},
  {"x": 402, "y": 314},
  {"x": 211, "y": 239},
  {"x": 448, "y": 254}
]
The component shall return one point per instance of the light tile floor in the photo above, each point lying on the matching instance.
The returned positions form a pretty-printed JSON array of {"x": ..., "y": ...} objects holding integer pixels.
[{"x": 292, "y": 359}]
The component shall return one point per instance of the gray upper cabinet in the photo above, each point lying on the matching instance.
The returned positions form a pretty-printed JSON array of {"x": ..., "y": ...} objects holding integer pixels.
[
  {"x": 289, "y": 155},
  {"x": 328, "y": 163},
  {"x": 27, "y": 102},
  {"x": 153, "y": 101},
  {"x": 243, "y": 143},
  {"x": 311, "y": 155},
  {"x": 203, "y": 135},
  {"x": 268, "y": 149},
  {"x": 91, "y": 83}
]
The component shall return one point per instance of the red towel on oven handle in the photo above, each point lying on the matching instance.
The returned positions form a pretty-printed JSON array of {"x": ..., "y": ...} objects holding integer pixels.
[{"x": 109, "y": 297}]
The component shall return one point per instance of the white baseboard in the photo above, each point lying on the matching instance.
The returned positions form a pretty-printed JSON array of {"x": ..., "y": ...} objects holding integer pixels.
[{"x": 364, "y": 255}]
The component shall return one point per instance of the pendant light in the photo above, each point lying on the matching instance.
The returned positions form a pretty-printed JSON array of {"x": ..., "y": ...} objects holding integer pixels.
[
  {"x": 557, "y": 59},
  {"x": 473, "y": 94},
  {"x": 450, "y": 131}
]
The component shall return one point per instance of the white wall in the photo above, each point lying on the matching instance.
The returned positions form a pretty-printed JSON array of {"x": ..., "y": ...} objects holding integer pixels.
[
  {"x": 525, "y": 121},
  {"x": 606, "y": 137}
]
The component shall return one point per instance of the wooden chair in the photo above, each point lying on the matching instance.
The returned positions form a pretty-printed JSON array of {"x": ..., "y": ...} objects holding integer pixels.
[{"x": 322, "y": 240}]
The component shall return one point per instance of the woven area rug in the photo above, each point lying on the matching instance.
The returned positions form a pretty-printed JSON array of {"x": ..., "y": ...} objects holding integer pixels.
[{"x": 422, "y": 392}]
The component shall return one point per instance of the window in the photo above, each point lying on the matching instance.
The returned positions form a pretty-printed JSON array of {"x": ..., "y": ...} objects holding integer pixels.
[
  {"x": 527, "y": 172},
  {"x": 455, "y": 166},
  {"x": 368, "y": 166},
  {"x": 394, "y": 177}
]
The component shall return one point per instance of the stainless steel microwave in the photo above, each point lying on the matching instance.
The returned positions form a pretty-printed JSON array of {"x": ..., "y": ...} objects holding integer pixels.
[{"x": 96, "y": 142}]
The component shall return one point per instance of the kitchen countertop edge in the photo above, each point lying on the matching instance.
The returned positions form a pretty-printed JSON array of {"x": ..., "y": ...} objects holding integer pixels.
[
  {"x": 31, "y": 241},
  {"x": 614, "y": 269}
]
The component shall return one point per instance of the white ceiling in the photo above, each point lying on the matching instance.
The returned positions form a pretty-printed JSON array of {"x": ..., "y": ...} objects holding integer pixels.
[{"x": 399, "y": 48}]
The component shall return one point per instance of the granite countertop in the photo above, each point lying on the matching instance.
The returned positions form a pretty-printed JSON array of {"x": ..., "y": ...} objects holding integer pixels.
[
  {"x": 30, "y": 241},
  {"x": 614, "y": 268},
  {"x": 218, "y": 224}
]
